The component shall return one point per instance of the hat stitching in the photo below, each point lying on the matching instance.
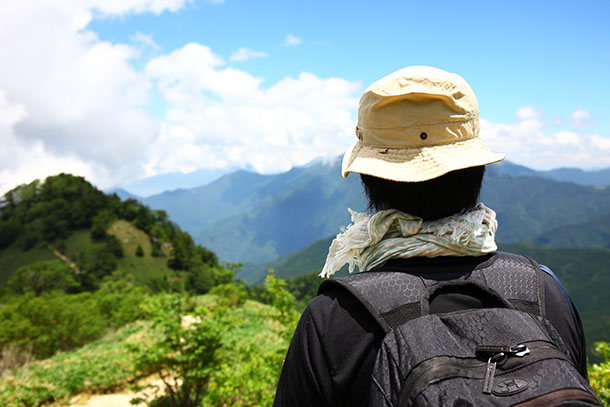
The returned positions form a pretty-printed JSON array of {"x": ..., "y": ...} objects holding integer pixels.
[
  {"x": 428, "y": 146},
  {"x": 470, "y": 118}
]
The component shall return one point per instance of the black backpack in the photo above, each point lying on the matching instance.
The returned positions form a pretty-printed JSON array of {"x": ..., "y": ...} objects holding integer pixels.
[{"x": 507, "y": 355}]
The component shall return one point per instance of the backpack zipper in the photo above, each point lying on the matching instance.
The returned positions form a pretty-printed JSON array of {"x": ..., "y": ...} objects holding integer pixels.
[{"x": 446, "y": 366}]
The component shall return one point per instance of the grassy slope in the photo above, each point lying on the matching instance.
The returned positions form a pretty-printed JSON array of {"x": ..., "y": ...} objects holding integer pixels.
[
  {"x": 99, "y": 367},
  {"x": 143, "y": 268},
  {"x": 80, "y": 242}
]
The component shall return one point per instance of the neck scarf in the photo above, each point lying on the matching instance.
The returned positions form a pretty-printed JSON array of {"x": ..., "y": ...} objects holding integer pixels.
[{"x": 373, "y": 239}]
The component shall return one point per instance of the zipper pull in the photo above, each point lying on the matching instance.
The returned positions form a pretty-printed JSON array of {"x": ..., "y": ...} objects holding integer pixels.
[
  {"x": 520, "y": 350},
  {"x": 490, "y": 371}
]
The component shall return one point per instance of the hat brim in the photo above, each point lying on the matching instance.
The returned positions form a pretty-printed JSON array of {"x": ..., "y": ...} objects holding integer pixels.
[{"x": 417, "y": 164}]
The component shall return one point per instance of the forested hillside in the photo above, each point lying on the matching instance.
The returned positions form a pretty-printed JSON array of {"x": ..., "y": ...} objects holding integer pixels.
[{"x": 97, "y": 294}]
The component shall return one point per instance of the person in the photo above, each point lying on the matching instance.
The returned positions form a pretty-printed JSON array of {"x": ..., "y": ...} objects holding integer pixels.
[{"x": 422, "y": 162}]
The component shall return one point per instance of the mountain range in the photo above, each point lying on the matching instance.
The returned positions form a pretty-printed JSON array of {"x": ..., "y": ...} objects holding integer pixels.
[{"x": 254, "y": 218}]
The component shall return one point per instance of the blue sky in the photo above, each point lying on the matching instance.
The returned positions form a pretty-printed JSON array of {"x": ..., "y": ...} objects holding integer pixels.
[
  {"x": 122, "y": 90},
  {"x": 554, "y": 55}
]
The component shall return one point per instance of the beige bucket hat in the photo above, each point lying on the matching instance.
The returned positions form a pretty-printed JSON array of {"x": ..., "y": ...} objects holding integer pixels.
[{"x": 416, "y": 124}]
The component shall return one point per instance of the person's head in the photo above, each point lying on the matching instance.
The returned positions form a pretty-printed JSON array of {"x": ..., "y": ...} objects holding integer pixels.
[
  {"x": 451, "y": 193},
  {"x": 418, "y": 147}
]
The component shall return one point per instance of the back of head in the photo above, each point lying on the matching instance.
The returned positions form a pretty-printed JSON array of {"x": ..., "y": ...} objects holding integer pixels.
[{"x": 451, "y": 193}]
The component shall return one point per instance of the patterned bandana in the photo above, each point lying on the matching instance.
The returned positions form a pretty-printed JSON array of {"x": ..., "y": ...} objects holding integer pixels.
[{"x": 373, "y": 239}]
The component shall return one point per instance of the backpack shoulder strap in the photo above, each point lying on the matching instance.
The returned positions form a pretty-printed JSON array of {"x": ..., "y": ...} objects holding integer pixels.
[
  {"x": 387, "y": 295},
  {"x": 518, "y": 279},
  {"x": 563, "y": 290},
  {"x": 393, "y": 297}
]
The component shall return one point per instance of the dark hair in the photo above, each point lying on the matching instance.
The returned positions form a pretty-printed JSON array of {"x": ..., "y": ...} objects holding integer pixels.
[{"x": 452, "y": 193}]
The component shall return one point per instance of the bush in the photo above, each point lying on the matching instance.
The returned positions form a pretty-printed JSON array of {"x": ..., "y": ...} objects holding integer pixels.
[
  {"x": 55, "y": 321},
  {"x": 155, "y": 251},
  {"x": 43, "y": 276},
  {"x": 599, "y": 374},
  {"x": 114, "y": 246},
  {"x": 50, "y": 322},
  {"x": 186, "y": 353}
]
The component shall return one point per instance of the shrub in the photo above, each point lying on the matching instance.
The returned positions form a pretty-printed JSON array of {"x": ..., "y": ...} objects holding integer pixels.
[
  {"x": 186, "y": 352},
  {"x": 599, "y": 374},
  {"x": 114, "y": 246},
  {"x": 43, "y": 276}
]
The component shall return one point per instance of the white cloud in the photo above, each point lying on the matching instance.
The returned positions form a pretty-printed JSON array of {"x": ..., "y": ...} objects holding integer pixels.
[
  {"x": 82, "y": 101},
  {"x": 603, "y": 143},
  {"x": 219, "y": 116},
  {"x": 145, "y": 40},
  {"x": 529, "y": 143},
  {"x": 243, "y": 54},
  {"x": 527, "y": 113},
  {"x": 122, "y": 7},
  {"x": 581, "y": 118},
  {"x": 292, "y": 41}
]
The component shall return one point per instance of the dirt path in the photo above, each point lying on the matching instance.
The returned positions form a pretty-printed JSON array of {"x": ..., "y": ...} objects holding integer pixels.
[
  {"x": 66, "y": 259},
  {"x": 110, "y": 400}
]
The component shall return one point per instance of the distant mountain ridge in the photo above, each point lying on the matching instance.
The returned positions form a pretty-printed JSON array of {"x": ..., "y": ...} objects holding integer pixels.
[
  {"x": 255, "y": 218},
  {"x": 575, "y": 175}
]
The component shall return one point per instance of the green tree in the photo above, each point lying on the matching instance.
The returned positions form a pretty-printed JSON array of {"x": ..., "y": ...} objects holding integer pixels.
[
  {"x": 100, "y": 223},
  {"x": 186, "y": 354},
  {"x": 42, "y": 276},
  {"x": 54, "y": 227},
  {"x": 183, "y": 250},
  {"x": 9, "y": 230},
  {"x": 114, "y": 246},
  {"x": 103, "y": 262},
  {"x": 281, "y": 299},
  {"x": 155, "y": 250},
  {"x": 139, "y": 251},
  {"x": 30, "y": 239}
]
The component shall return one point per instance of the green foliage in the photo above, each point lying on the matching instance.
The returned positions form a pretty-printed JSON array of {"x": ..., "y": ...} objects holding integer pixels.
[
  {"x": 55, "y": 321},
  {"x": 219, "y": 349},
  {"x": 114, "y": 246},
  {"x": 50, "y": 322},
  {"x": 139, "y": 251},
  {"x": 186, "y": 352},
  {"x": 42, "y": 276},
  {"x": 99, "y": 367},
  {"x": 183, "y": 251},
  {"x": 599, "y": 374},
  {"x": 155, "y": 250},
  {"x": 254, "y": 344},
  {"x": 250, "y": 359},
  {"x": 202, "y": 277},
  {"x": 281, "y": 299},
  {"x": 100, "y": 222},
  {"x": 304, "y": 288},
  {"x": 9, "y": 230},
  {"x": 103, "y": 262},
  {"x": 231, "y": 295}
]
